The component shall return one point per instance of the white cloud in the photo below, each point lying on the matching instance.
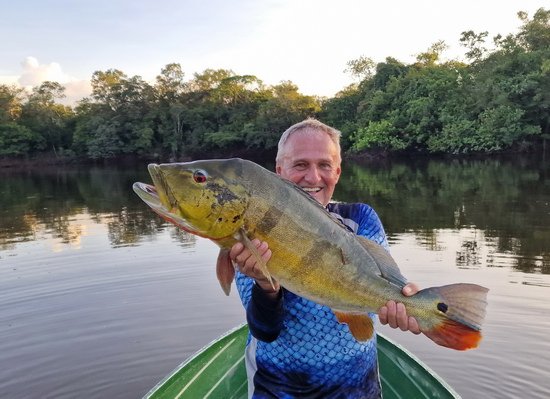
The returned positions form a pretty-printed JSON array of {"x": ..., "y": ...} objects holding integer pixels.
[{"x": 33, "y": 74}]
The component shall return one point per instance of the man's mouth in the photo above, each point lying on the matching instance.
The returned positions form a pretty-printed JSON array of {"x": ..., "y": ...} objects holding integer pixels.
[{"x": 312, "y": 190}]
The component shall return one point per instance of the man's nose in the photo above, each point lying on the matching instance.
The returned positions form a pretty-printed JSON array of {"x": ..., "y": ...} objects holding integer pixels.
[{"x": 313, "y": 175}]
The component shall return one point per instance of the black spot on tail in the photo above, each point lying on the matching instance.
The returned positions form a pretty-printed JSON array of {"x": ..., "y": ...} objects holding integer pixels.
[{"x": 442, "y": 307}]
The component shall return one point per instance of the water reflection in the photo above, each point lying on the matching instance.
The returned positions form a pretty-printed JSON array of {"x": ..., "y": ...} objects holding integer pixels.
[
  {"x": 498, "y": 204},
  {"x": 59, "y": 203},
  {"x": 501, "y": 204},
  {"x": 506, "y": 202}
]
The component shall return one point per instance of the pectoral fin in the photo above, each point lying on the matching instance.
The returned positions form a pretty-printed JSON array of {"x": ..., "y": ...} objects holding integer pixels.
[
  {"x": 242, "y": 237},
  {"x": 359, "y": 324},
  {"x": 225, "y": 270}
]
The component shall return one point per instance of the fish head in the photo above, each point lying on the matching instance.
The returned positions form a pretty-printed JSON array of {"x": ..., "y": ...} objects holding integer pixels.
[{"x": 205, "y": 198}]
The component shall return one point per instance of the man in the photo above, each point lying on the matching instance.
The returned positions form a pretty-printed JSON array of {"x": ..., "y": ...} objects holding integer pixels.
[{"x": 297, "y": 348}]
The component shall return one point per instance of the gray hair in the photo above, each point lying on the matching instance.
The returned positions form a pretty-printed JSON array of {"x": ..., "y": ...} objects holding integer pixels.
[{"x": 312, "y": 125}]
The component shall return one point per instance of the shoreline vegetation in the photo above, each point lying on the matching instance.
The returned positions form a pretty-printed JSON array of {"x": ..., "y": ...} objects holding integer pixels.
[{"x": 495, "y": 103}]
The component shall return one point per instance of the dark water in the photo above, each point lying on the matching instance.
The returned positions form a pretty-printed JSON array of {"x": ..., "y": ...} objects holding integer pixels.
[{"x": 100, "y": 298}]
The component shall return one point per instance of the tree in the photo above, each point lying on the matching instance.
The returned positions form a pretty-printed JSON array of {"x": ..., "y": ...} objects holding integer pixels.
[
  {"x": 379, "y": 135},
  {"x": 361, "y": 68},
  {"x": 341, "y": 111},
  {"x": 283, "y": 107},
  {"x": 433, "y": 54},
  {"x": 107, "y": 86},
  {"x": 170, "y": 84},
  {"x": 11, "y": 98},
  {"x": 501, "y": 127},
  {"x": 535, "y": 33},
  {"x": 118, "y": 118},
  {"x": 385, "y": 72},
  {"x": 475, "y": 43},
  {"x": 171, "y": 109},
  {"x": 42, "y": 115},
  {"x": 209, "y": 79},
  {"x": 17, "y": 140}
]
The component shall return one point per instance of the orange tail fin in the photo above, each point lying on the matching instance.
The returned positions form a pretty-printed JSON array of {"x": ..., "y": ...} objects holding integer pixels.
[{"x": 454, "y": 335}]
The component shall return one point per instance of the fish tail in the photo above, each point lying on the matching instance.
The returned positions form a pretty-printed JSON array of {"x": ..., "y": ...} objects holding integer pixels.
[
  {"x": 461, "y": 311},
  {"x": 454, "y": 335}
]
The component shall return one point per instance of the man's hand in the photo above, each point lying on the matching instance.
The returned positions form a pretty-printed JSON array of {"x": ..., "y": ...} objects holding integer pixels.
[
  {"x": 395, "y": 315},
  {"x": 246, "y": 264}
]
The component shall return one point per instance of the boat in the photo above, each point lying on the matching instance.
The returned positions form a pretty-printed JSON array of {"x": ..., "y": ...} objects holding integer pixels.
[{"x": 218, "y": 371}]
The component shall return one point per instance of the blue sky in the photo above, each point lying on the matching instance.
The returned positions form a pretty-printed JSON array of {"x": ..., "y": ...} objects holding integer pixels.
[{"x": 306, "y": 41}]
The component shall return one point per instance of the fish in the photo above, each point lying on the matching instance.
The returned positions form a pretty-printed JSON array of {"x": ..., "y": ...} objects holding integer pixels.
[{"x": 313, "y": 254}]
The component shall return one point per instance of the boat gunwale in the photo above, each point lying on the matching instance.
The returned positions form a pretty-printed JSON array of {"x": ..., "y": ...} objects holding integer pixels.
[
  {"x": 190, "y": 359},
  {"x": 391, "y": 344}
]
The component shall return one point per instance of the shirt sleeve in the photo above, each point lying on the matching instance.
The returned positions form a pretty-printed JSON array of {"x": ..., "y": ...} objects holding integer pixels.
[
  {"x": 264, "y": 315},
  {"x": 370, "y": 226}
]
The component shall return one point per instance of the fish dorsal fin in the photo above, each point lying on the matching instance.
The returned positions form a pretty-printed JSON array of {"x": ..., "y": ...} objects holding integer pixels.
[
  {"x": 387, "y": 266},
  {"x": 360, "y": 324}
]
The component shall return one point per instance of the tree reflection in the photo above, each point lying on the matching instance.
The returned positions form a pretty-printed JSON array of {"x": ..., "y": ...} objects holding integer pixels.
[
  {"x": 129, "y": 227},
  {"x": 506, "y": 201},
  {"x": 53, "y": 200},
  {"x": 468, "y": 256}
]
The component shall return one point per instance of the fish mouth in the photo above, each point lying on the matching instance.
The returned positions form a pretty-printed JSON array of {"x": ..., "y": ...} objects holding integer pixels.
[{"x": 150, "y": 196}]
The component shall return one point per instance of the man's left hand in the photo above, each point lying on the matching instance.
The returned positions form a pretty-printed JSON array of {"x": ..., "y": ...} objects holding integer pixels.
[{"x": 395, "y": 315}]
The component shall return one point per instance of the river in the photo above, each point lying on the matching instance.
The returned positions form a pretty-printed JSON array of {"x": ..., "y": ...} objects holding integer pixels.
[{"x": 100, "y": 298}]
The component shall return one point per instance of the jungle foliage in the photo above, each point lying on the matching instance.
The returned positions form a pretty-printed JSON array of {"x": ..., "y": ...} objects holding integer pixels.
[{"x": 496, "y": 101}]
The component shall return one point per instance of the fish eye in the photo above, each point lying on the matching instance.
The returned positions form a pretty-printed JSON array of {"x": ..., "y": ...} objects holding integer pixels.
[{"x": 200, "y": 176}]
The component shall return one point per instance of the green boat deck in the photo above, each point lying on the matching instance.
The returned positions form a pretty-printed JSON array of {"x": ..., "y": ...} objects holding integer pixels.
[{"x": 218, "y": 371}]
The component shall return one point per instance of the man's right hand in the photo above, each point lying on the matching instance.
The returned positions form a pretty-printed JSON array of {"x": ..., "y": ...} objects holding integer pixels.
[{"x": 246, "y": 264}]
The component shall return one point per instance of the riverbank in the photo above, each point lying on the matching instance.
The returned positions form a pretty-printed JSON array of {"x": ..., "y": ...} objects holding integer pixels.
[
  {"x": 259, "y": 156},
  {"x": 51, "y": 159}
]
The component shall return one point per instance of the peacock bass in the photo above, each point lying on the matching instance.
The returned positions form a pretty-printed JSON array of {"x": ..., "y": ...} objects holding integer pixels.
[{"x": 313, "y": 254}]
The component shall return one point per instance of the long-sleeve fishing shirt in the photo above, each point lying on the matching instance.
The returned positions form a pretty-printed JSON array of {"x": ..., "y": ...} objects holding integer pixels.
[{"x": 297, "y": 348}]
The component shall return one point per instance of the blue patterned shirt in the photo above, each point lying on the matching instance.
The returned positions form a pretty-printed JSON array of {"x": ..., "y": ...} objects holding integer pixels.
[{"x": 297, "y": 348}]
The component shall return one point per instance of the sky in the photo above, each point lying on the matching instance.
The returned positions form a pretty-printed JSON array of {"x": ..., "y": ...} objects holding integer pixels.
[{"x": 308, "y": 42}]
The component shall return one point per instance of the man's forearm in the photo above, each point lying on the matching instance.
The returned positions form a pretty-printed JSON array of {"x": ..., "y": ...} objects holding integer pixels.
[{"x": 265, "y": 313}]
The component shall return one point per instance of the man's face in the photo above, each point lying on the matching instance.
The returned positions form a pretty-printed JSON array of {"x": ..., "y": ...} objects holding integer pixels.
[{"x": 311, "y": 161}]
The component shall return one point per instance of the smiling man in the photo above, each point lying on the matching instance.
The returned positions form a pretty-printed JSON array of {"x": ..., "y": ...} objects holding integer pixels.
[
  {"x": 297, "y": 348},
  {"x": 310, "y": 159}
]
